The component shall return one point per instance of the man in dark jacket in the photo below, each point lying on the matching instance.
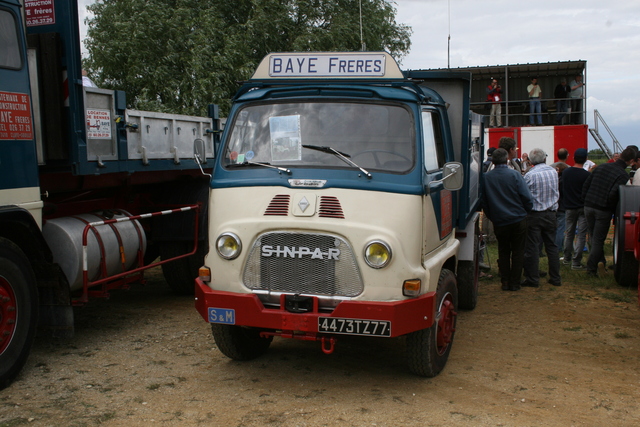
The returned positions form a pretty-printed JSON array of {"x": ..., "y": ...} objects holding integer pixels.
[
  {"x": 562, "y": 92},
  {"x": 600, "y": 195},
  {"x": 506, "y": 202},
  {"x": 571, "y": 183}
]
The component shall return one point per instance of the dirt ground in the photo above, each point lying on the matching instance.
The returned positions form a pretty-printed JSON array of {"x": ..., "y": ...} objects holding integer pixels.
[{"x": 567, "y": 356}]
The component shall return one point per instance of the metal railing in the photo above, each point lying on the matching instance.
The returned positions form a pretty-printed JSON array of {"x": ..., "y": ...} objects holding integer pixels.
[
  {"x": 594, "y": 131},
  {"x": 521, "y": 114},
  {"x": 121, "y": 280}
]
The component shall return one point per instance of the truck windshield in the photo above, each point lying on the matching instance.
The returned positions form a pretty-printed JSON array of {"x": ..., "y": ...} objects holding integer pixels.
[{"x": 378, "y": 137}]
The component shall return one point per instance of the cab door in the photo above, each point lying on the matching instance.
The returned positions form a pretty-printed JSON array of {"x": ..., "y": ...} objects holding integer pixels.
[
  {"x": 437, "y": 202},
  {"x": 18, "y": 159}
]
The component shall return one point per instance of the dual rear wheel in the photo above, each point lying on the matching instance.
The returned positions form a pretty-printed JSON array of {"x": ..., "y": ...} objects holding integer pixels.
[{"x": 18, "y": 310}]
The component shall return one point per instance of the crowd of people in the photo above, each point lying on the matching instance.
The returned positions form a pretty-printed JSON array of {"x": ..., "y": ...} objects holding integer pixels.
[
  {"x": 535, "y": 206},
  {"x": 568, "y": 101}
]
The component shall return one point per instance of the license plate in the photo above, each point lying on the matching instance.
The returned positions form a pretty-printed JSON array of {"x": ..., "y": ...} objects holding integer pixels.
[
  {"x": 338, "y": 325},
  {"x": 226, "y": 316}
]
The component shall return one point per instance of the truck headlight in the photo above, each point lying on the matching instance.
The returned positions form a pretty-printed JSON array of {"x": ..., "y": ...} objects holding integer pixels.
[
  {"x": 228, "y": 246},
  {"x": 377, "y": 254}
]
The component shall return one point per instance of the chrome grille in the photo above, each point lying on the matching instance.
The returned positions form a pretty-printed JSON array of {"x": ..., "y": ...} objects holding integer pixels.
[{"x": 303, "y": 274}]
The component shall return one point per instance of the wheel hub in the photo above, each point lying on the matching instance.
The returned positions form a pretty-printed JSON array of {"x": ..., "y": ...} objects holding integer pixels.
[
  {"x": 446, "y": 325},
  {"x": 8, "y": 313}
]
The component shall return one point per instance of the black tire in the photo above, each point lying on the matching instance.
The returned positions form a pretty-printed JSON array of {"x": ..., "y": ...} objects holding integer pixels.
[
  {"x": 469, "y": 276},
  {"x": 428, "y": 349},
  {"x": 626, "y": 265},
  {"x": 240, "y": 343},
  {"x": 181, "y": 274},
  {"x": 18, "y": 310}
]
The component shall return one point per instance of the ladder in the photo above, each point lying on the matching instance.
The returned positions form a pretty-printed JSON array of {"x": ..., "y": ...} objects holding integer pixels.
[{"x": 596, "y": 135}]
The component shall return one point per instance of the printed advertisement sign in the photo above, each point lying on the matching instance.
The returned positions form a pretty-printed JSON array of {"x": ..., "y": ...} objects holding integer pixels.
[
  {"x": 98, "y": 124},
  {"x": 39, "y": 12},
  {"x": 15, "y": 116}
]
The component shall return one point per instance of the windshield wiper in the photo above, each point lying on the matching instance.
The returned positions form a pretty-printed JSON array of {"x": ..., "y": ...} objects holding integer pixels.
[
  {"x": 342, "y": 156},
  {"x": 264, "y": 164}
]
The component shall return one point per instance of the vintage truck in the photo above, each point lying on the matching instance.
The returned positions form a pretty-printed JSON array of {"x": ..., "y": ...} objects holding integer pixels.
[
  {"x": 91, "y": 193},
  {"x": 344, "y": 201}
]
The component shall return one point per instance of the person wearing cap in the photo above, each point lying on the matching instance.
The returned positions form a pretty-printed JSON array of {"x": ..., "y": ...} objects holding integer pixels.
[
  {"x": 487, "y": 164},
  {"x": 506, "y": 202},
  {"x": 600, "y": 193},
  {"x": 561, "y": 93},
  {"x": 542, "y": 181},
  {"x": 571, "y": 183},
  {"x": 509, "y": 145}
]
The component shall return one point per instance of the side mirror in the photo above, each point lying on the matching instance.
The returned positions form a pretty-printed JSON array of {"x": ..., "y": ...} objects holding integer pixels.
[
  {"x": 199, "y": 151},
  {"x": 452, "y": 176},
  {"x": 200, "y": 154}
]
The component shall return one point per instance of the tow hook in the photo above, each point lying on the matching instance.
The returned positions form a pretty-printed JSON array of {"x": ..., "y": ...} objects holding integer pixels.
[{"x": 331, "y": 342}]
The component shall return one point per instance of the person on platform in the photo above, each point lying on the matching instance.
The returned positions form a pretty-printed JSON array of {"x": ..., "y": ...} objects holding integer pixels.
[
  {"x": 561, "y": 93},
  {"x": 506, "y": 202},
  {"x": 577, "y": 95},
  {"x": 494, "y": 96},
  {"x": 535, "y": 105}
]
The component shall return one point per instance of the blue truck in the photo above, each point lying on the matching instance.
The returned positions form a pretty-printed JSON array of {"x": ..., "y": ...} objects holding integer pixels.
[
  {"x": 91, "y": 193},
  {"x": 344, "y": 201}
]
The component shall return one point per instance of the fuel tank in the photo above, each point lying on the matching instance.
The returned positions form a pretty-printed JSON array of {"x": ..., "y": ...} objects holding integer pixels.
[{"x": 117, "y": 244}]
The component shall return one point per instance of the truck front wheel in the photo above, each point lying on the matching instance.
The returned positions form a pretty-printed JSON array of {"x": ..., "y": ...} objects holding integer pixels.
[
  {"x": 240, "y": 343},
  {"x": 18, "y": 310},
  {"x": 428, "y": 349}
]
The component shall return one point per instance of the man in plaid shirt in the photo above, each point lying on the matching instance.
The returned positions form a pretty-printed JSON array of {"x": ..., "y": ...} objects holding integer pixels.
[
  {"x": 600, "y": 194},
  {"x": 542, "y": 181}
]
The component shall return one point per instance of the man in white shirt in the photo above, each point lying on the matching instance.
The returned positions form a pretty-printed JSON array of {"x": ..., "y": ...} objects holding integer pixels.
[
  {"x": 577, "y": 94},
  {"x": 535, "y": 106}
]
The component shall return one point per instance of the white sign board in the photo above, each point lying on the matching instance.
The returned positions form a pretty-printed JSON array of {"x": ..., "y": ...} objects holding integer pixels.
[
  {"x": 323, "y": 65},
  {"x": 98, "y": 124}
]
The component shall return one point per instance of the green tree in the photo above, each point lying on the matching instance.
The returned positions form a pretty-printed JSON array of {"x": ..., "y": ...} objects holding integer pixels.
[{"x": 181, "y": 55}]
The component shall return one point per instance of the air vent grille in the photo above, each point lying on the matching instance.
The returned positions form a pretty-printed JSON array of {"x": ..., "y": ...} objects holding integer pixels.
[
  {"x": 330, "y": 208},
  {"x": 279, "y": 206}
]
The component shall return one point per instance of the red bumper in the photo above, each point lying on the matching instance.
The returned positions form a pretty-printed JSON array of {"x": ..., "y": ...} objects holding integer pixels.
[{"x": 405, "y": 316}]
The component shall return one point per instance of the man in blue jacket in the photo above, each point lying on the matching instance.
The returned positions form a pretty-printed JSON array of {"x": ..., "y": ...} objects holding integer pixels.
[{"x": 506, "y": 202}]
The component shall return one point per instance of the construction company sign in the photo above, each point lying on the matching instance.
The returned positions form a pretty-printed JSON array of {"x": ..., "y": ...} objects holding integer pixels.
[
  {"x": 39, "y": 12},
  {"x": 98, "y": 124},
  {"x": 15, "y": 116}
]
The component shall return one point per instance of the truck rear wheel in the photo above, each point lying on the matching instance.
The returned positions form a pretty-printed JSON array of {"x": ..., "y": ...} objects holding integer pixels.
[
  {"x": 428, "y": 349},
  {"x": 626, "y": 265},
  {"x": 240, "y": 343},
  {"x": 181, "y": 274},
  {"x": 18, "y": 310}
]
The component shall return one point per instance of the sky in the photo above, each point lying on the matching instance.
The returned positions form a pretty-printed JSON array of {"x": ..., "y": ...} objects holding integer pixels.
[{"x": 497, "y": 32}]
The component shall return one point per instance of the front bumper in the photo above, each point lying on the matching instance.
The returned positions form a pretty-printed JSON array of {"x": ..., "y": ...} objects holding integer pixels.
[{"x": 405, "y": 316}]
